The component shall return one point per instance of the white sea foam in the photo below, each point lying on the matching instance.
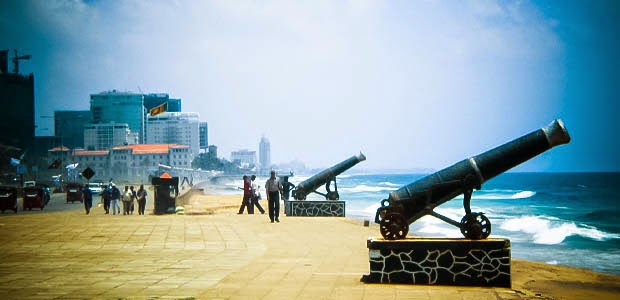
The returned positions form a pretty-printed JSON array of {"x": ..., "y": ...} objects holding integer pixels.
[
  {"x": 388, "y": 183},
  {"x": 552, "y": 262},
  {"x": 549, "y": 231},
  {"x": 499, "y": 195},
  {"x": 365, "y": 188}
]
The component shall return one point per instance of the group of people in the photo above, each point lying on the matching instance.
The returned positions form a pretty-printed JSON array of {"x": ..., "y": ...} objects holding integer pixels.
[
  {"x": 251, "y": 196},
  {"x": 112, "y": 197}
]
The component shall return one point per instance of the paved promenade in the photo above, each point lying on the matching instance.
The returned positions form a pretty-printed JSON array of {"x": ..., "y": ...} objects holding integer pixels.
[{"x": 212, "y": 253}]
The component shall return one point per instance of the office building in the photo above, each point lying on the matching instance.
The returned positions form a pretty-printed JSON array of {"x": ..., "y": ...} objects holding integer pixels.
[
  {"x": 264, "y": 153},
  {"x": 153, "y": 100},
  {"x": 244, "y": 158},
  {"x": 119, "y": 107},
  {"x": 106, "y": 135},
  {"x": 17, "y": 102},
  {"x": 175, "y": 128},
  {"x": 204, "y": 136},
  {"x": 69, "y": 127}
]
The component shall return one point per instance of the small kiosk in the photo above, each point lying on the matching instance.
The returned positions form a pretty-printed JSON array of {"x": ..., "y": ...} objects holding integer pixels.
[{"x": 166, "y": 191}]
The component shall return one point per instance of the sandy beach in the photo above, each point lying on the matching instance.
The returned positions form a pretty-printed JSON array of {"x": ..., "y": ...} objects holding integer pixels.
[{"x": 213, "y": 253}]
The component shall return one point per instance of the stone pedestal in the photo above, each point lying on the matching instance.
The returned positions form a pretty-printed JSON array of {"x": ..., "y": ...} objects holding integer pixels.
[
  {"x": 306, "y": 208},
  {"x": 433, "y": 261}
]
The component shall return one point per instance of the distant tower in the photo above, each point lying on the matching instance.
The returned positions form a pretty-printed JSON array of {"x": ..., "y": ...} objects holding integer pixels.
[{"x": 264, "y": 153}]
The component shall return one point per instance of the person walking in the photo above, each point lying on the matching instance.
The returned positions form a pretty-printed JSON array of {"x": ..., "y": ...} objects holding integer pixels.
[
  {"x": 246, "y": 201},
  {"x": 115, "y": 198},
  {"x": 141, "y": 195},
  {"x": 255, "y": 193},
  {"x": 273, "y": 187},
  {"x": 132, "y": 198},
  {"x": 106, "y": 196},
  {"x": 88, "y": 198},
  {"x": 126, "y": 198}
]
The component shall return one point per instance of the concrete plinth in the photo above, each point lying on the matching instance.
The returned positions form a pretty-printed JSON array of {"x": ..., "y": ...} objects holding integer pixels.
[
  {"x": 433, "y": 261},
  {"x": 305, "y": 208}
]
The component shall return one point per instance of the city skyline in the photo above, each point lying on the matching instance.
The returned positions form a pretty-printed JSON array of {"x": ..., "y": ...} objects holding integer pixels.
[{"x": 411, "y": 85}]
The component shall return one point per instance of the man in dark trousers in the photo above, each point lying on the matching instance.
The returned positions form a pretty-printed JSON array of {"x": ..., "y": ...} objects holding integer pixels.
[
  {"x": 106, "y": 195},
  {"x": 88, "y": 198},
  {"x": 247, "y": 195},
  {"x": 273, "y": 187}
]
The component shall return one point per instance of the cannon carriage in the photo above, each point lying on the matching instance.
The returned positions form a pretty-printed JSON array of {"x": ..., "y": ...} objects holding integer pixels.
[{"x": 411, "y": 202}]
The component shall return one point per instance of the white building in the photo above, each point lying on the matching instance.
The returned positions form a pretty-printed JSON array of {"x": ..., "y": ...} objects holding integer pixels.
[
  {"x": 103, "y": 136},
  {"x": 243, "y": 158},
  {"x": 133, "y": 163},
  {"x": 264, "y": 154},
  {"x": 175, "y": 128}
]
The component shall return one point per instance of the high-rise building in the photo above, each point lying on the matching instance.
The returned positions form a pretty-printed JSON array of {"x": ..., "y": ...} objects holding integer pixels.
[
  {"x": 69, "y": 127},
  {"x": 103, "y": 136},
  {"x": 152, "y": 100},
  {"x": 204, "y": 136},
  {"x": 119, "y": 107},
  {"x": 17, "y": 101},
  {"x": 175, "y": 128},
  {"x": 264, "y": 153}
]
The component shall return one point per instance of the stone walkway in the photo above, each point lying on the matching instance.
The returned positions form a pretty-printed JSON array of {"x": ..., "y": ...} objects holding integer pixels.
[{"x": 62, "y": 253}]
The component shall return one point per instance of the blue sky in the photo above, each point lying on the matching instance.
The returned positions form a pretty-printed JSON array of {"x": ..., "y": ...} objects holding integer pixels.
[{"x": 412, "y": 84}]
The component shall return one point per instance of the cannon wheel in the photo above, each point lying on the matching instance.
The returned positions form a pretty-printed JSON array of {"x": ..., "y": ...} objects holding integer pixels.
[
  {"x": 394, "y": 227},
  {"x": 475, "y": 226}
]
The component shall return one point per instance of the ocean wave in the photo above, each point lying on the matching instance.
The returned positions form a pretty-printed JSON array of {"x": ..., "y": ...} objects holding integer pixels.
[
  {"x": 499, "y": 195},
  {"x": 365, "y": 188},
  {"x": 388, "y": 183},
  {"x": 550, "y": 231}
]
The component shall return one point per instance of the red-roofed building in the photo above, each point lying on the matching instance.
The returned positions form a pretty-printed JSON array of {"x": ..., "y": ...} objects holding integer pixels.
[{"x": 128, "y": 162}]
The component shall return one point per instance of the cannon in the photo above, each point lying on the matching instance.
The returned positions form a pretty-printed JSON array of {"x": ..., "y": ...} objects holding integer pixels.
[
  {"x": 411, "y": 202},
  {"x": 326, "y": 176}
]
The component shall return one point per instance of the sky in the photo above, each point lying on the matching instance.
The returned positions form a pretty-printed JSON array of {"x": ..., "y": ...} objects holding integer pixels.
[{"x": 411, "y": 84}]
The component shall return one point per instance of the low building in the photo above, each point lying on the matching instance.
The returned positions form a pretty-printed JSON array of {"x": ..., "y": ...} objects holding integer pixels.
[
  {"x": 128, "y": 163},
  {"x": 244, "y": 158}
]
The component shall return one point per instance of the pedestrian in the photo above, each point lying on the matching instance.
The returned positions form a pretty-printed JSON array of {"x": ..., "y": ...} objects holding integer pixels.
[
  {"x": 132, "y": 197},
  {"x": 88, "y": 198},
  {"x": 273, "y": 187},
  {"x": 106, "y": 196},
  {"x": 115, "y": 198},
  {"x": 256, "y": 195},
  {"x": 141, "y": 195},
  {"x": 126, "y": 198},
  {"x": 246, "y": 201}
]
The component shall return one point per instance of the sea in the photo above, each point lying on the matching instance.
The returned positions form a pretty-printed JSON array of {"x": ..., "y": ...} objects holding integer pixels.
[{"x": 570, "y": 219}]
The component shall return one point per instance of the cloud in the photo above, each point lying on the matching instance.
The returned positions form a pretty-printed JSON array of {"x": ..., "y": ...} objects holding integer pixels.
[{"x": 409, "y": 83}]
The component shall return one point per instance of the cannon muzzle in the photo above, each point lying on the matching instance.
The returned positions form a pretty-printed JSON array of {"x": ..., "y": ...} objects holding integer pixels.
[
  {"x": 325, "y": 177},
  {"x": 411, "y": 202}
]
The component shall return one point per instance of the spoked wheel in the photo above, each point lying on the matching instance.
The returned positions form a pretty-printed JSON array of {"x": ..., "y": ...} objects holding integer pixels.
[
  {"x": 475, "y": 226},
  {"x": 394, "y": 227}
]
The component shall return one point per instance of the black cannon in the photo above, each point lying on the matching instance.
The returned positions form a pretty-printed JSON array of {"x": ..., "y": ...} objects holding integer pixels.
[
  {"x": 411, "y": 202},
  {"x": 326, "y": 177}
]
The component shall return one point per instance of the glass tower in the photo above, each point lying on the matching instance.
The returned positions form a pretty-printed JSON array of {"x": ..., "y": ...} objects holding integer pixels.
[{"x": 119, "y": 107}]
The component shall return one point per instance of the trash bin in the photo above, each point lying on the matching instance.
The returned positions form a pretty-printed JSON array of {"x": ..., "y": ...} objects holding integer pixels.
[{"x": 165, "y": 195}]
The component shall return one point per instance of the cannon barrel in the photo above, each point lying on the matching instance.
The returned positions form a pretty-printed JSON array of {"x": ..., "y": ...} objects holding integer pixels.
[
  {"x": 419, "y": 198},
  {"x": 325, "y": 177}
]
